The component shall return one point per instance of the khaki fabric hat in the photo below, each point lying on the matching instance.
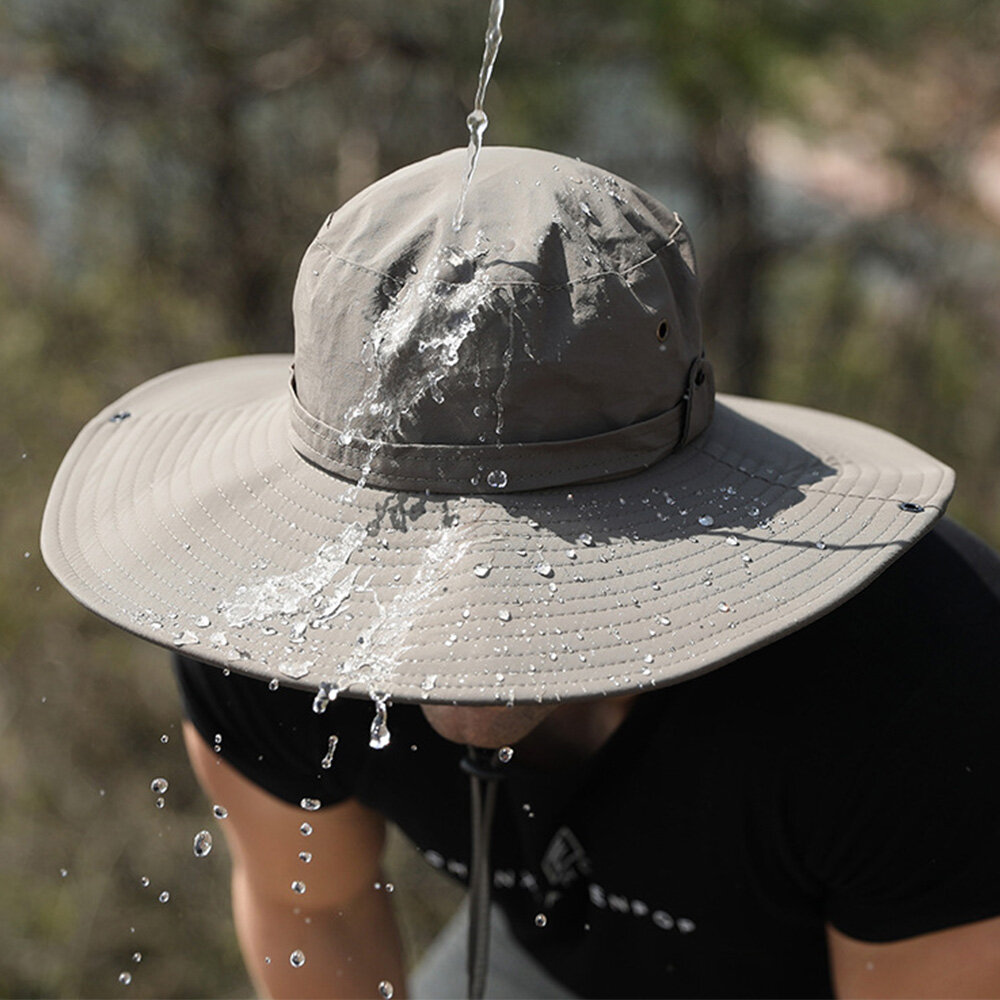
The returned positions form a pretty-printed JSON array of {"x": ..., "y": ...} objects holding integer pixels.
[{"x": 498, "y": 471}]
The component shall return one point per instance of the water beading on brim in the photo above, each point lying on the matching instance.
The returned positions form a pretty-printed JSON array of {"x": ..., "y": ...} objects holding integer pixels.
[{"x": 183, "y": 514}]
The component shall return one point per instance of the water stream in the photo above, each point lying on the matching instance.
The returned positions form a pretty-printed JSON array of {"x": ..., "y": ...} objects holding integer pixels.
[{"x": 477, "y": 120}]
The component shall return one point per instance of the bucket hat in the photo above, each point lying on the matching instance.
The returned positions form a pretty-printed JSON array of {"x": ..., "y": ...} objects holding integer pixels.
[{"x": 496, "y": 469}]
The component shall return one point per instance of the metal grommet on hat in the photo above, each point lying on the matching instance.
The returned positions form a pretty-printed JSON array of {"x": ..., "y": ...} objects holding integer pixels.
[{"x": 499, "y": 473}]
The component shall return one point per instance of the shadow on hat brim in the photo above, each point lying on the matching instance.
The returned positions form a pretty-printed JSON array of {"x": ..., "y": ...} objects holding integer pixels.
[{"x": 193, "y": 523}]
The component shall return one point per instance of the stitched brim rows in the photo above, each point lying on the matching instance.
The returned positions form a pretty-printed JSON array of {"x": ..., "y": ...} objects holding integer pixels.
[{"x": 193, "y": 523}]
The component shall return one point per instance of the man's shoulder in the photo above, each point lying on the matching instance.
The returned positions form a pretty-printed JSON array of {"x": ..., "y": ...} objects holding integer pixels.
[
  {"x": 924, "y": 634},
  {"x": 952, "y": 541},
  {"x": 941, "y": 596}
]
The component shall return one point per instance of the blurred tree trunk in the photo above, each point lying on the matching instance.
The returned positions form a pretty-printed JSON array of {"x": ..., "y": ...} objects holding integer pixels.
[
  {"x": 241, "y": 263},
  {"x": 245, "y": 263},
  {"x": 731, "y": 306}
]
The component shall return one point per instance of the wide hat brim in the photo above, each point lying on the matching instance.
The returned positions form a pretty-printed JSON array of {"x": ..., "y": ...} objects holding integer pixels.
[{"x": 183, "y": 514}]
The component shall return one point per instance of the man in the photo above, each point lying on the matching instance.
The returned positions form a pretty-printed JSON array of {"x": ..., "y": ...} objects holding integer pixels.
[{"x": 500, "y": 496}]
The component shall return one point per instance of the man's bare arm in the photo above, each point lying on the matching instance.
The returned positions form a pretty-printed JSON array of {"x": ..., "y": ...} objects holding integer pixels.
[
  {"x": 341, "y": 923},
  {"x": 960, "y": 962}
]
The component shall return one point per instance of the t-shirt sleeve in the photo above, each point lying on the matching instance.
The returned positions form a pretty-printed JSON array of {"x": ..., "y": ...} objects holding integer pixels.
[
  {"x": 915, "y": 835},
  {"x": 896, "y": 811},
  {"x": 273, "y": 737}
]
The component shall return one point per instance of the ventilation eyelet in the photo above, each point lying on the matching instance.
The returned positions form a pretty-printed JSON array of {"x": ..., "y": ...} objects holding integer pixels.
[{"x": 662, "y": 330}]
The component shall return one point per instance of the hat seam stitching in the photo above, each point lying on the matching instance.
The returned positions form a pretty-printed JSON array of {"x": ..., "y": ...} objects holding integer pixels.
[
  {"x": 635, "y": 621},
  {"x": 402, "y": 282},
  {"x": 686, "y": 588},
  {"x": 609, "y": 666},
  {"x": 805, "y": 487},
  {"x": 714, "y": 458},
  {"x": 573, "y": 668}
]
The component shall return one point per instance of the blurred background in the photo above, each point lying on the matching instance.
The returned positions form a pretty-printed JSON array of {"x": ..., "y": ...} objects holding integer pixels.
[{"x": 163, "y": 165}]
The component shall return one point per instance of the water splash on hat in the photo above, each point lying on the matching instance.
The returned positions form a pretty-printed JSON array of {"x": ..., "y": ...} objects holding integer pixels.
[{"x": 291, "y": 593}]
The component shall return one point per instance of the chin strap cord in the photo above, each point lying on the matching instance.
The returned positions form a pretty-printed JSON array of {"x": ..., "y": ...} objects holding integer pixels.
[{"x": 481, "y": 766}]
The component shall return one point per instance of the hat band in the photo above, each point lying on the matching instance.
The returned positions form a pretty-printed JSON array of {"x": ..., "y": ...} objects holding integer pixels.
[{"x": 485, "y": 468}]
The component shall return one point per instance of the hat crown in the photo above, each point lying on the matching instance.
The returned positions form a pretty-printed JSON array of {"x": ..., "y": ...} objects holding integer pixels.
[{"x": 563, "y": 309}]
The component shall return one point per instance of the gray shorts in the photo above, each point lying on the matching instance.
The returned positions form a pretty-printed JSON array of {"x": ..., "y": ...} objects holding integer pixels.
[{"x": 513, "y": 973}]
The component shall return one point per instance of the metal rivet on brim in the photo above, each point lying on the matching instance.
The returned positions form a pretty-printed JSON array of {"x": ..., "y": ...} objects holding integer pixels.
[{"x": 911, "y": 508}]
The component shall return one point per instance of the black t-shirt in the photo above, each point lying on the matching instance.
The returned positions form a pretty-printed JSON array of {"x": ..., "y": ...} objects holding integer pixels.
[{"x": 848, "y": 773}]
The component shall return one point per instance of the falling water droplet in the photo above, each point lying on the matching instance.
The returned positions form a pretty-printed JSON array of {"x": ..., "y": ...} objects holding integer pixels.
[
  {"x": 505, "y": 755},
  {"x": 125, "y": 978},
  {"x": 331, "y": 749},
  {"x": 305, "y": 856},
  {"x": 136, "y": 956},
  {"x": 541, "y": 920},
  {"x": 159, "y": 785},
  {"x": 497, "y": 479},
  {"x": 311, "y": 804},
  {"x": 297, "y": 958},
  {"x": 298, "y": 887},
  {"x": 164, "y": 896},
  {"x": 202, "y": 844},
  {"x": 385, "y": 990},
  {"x": 306, "y": 829},
  {"x": 220, "y": 812},
  {"x": 144, "y": 881},
  {"x": 327, "y": 692},
  {"x": 272, "y": 684},
  {"x": 379, "y": 736}
]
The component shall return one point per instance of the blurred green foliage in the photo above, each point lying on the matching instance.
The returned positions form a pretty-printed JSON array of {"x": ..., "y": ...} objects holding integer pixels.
[{"x": 163, "y": 163}]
